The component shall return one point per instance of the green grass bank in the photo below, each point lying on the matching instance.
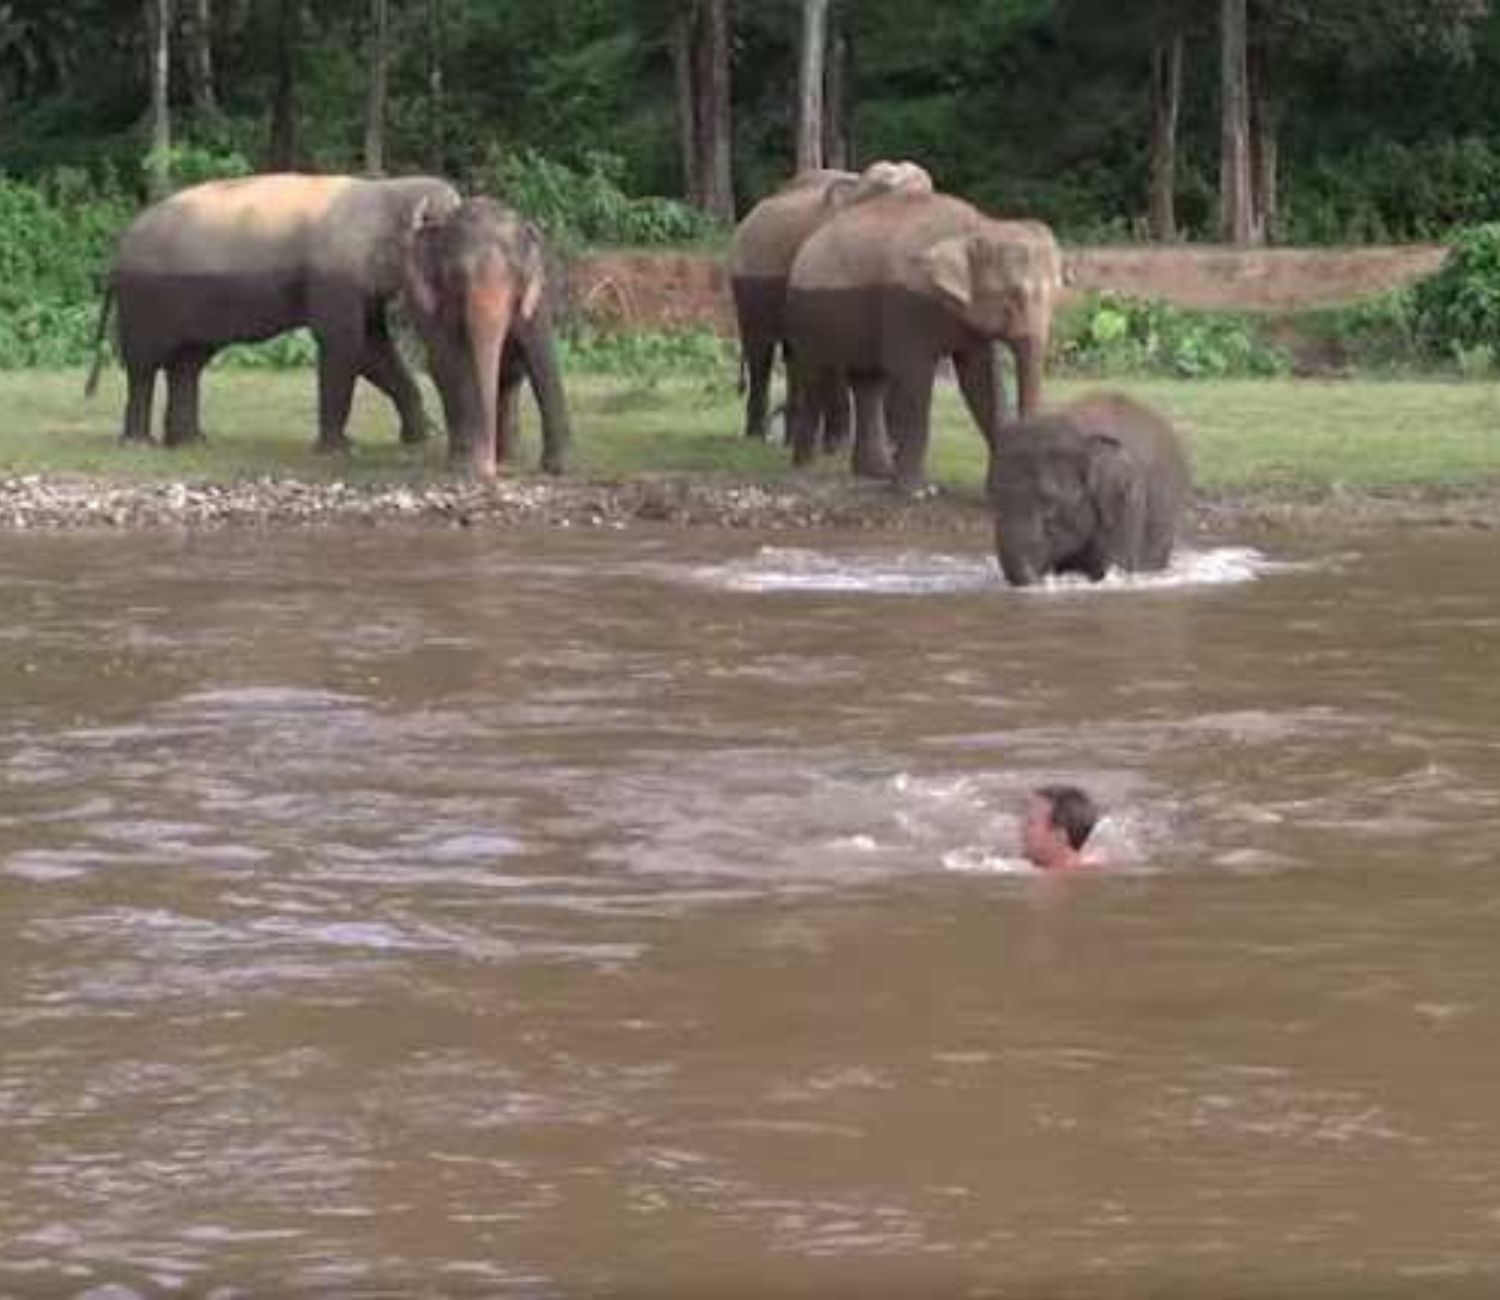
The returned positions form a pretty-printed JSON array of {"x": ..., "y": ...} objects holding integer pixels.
[{"x": 1269, "y": 434}]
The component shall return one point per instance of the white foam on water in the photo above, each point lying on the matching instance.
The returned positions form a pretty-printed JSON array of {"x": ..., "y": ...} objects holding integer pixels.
[
  {"x": 795, "y": 569},
  {"x": 1219, "y": 566},
  {"x": 777, "y": 569}
]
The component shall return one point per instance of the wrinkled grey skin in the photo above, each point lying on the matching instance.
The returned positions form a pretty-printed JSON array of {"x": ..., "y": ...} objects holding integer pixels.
[
  {"x": 765, "y": 244},
  {"x": 1099, "y": 484},
  {"x": 475, "y": 285},
  {"x": 243, "y": 260},
  {"x": 886, "y": 289}
]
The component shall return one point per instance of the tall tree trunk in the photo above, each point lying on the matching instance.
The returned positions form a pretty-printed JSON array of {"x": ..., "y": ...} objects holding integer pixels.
[
  {"x": 810, "y": 84},
  {"x": 159, "y": 31},
  {"x": 198, "y": 29},
  {"x": 687, "y": 104},
  {"x": 1236, "y": 205},
  {"x": 284, "y": 145},
  {"x": 1166, "y": 101},
  {"x": 437, "y": 53},
  {"x": 1263, "y": 146},
  {"x": 380, "y": 45},
  {"x": 838, "y": 148},
  {"x": 715, "y": 112}
]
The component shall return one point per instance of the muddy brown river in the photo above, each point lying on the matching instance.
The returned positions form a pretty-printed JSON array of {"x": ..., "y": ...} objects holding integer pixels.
[{"x": 544, "y": 914}]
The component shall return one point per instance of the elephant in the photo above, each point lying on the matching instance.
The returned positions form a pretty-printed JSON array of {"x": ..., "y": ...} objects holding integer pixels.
[
  {"x": 475, "y": 282},
  {"x": 884, "y": 290},
  {"x": 760, "y": 258},
  {"x": 1095, "y": 485},
  {"x": 246, "y": 259}
]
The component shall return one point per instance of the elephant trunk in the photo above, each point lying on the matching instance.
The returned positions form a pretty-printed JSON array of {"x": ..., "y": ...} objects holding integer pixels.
[
  {"x": 542, "y": 368},
  {"x": 489, "y": 308},
  {"x": 1031, "y": 358},
  {"x": 1018, "y": 544}
]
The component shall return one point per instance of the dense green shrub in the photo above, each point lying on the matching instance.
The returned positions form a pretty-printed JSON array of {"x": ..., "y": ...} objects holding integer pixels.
[
  {"x": 1457, "y": 310},
  {"x": 1111, "y": 334},
  {"x": 587, "y": 205},
  {"x": 651, "y": 355}
]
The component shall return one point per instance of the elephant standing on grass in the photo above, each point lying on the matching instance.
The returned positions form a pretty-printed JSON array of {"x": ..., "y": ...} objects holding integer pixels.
[
  {"x": 1099, "y": 484},
  {"x": 883, "y": 291},
  {"x": 243, "y": 260},
  {"x": 476, "y": 284},
  {"x": 761, "y": 253}
]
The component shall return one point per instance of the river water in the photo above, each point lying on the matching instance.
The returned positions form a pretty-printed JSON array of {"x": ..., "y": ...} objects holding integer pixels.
[{"x": 554, "y": 914}]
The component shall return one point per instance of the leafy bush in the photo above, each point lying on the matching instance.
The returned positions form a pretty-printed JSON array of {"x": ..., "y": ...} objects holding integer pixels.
[
  {"x": 1458, "y": 309},
  {"x": 1112, "y": 334},
  {"x": 651, "y": 355},
  {"x": 578, "y": 206}
]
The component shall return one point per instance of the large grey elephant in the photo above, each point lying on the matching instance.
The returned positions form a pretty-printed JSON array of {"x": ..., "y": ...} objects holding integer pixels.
[
  {"x": 246, "y": 259},
  {"x": 761, "y": 253},
  {"x": 883, "y": 291},
  {"x": 475, "y": 281},
  {"x": 1098, "y": 484}
]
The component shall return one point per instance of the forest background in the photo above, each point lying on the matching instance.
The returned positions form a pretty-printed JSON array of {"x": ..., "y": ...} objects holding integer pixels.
[{"x": 652, "y": 122}]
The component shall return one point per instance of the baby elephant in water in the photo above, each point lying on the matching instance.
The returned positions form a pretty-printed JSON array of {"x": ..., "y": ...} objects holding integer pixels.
[{"x": 1096, "y": 485}]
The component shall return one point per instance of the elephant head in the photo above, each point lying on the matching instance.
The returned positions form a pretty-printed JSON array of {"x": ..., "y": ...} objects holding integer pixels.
[
  {"x": 1042, "y": 484},
  {"x": 1002, "y": 278},
  {"x": 472, "y": 277},
  {"x": 1095, "y": 485}
]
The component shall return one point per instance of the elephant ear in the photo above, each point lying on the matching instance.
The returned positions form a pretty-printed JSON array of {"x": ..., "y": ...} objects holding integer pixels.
[
  {"x": 420, "y": 257},
  {"x": 948, "y": 267},
  {"x": 1118, "y": 492}
]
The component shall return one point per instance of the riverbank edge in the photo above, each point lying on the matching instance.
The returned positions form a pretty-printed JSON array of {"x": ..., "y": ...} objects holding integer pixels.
[{"x": 35, "y": 502}]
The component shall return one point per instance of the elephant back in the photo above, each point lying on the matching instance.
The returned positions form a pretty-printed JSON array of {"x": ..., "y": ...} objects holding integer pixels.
[
  {"x": 766, "y": 241},
  {"x": 250, "y": 223},
  {"x": 878, "y": 241}
]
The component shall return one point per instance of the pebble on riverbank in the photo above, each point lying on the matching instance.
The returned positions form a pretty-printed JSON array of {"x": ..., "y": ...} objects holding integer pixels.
[{"x": 70, "y": 502}]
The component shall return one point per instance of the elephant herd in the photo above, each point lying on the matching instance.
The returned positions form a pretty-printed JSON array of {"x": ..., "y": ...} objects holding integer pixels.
[
  {"x": 243, "y": 260},
  {"x": 865, "y": 283}
]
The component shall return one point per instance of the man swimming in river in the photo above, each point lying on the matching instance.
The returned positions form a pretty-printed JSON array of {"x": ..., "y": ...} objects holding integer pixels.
[{"x": 1059, "y": 820}]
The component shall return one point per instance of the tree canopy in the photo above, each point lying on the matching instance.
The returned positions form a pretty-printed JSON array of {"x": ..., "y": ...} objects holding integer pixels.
[{"x": 1372, "y": 119}]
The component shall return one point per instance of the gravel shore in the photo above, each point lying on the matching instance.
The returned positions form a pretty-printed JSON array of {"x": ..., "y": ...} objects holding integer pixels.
[{"x": 44, "y": 502}]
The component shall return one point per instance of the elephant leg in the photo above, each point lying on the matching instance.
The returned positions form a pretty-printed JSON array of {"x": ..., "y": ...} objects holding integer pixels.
[
  {"x": 183, "y": 374},
  {"x": 341, "y": 321},
  {"x": 337, "y": 371},
  {"x": 508, "y": 417},
  {"x": 803, "y": 388},
  {"x": 908, "y": 409},
  {"x": 759, "y": 358},
  {"x": 836, "y": 418},
  {"x": 384, "y": 368},
  {"x": 872, "y": 452},
  {"x": 983, "y": 388},
  {"x": 140, "y": 381}
]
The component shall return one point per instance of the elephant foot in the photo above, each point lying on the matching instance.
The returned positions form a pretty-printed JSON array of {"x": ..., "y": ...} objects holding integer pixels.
[
  {"x": 554, "y": 465},
  {"x": 137, "y": 440},
  {"x": 184, "y": 438},
  {"x": 414, "y": 435},
  {"x": 873, "y": 467},
  {"x": 339, "y": 446},
  {"x": 913, "y": 489}
]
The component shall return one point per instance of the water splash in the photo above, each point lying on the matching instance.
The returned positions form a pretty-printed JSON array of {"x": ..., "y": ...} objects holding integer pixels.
[{"x": 778, "y": 569}]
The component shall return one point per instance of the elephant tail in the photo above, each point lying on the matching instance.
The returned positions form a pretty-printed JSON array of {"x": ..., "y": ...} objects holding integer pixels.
[{"x": 92, "y": 385}]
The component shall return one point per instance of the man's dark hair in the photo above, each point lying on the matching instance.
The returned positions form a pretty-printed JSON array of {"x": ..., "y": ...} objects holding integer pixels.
[{"x": 1073, "y": 812}]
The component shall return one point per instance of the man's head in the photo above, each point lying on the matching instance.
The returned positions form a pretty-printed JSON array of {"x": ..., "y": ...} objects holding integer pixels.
[{"x": 1059, "y": 820}]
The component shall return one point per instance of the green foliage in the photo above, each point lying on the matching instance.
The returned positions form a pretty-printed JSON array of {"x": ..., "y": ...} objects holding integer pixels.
[
  {"x": 1457, "y": 310},
  {"x": 192, "y": 164},
  {"x": 1111, "y": 335},
  {"x": 586, "y": 205},
  {"x": 651, "y": 356}
]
